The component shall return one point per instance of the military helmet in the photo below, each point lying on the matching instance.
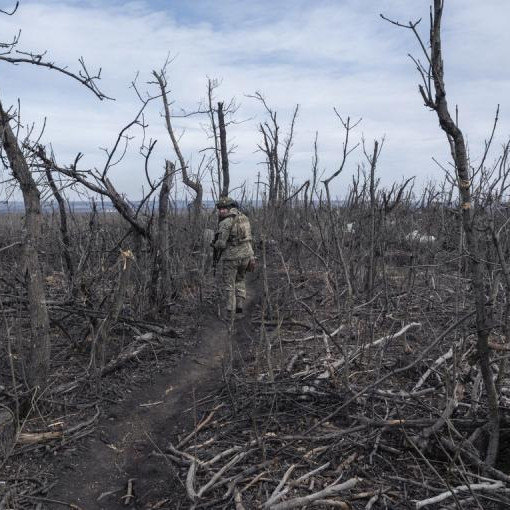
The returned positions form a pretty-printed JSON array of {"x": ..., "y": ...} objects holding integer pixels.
[{"x": 225, "y": 202}]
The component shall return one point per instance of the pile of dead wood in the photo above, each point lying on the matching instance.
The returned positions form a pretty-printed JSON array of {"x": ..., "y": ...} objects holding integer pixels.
[{"x": 395, "y": 423}]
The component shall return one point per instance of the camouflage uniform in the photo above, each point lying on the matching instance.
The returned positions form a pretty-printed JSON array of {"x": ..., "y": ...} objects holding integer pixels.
[{"x": 234, "y": 241}]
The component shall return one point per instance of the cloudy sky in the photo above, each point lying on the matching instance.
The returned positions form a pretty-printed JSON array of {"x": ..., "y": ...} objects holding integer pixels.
[{"x": 321, "y": 55}]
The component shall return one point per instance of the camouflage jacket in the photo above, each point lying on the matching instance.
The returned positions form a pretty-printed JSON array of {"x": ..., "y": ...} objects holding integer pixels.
[{"x": 234, "y": 236}]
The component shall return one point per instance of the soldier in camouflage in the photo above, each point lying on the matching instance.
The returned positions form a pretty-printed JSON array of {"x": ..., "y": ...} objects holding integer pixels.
[{"x": 234, "y": 242}]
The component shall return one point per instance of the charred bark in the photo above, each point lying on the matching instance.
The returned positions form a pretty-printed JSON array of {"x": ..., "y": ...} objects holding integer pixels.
[
  {"x": 224, "y": 152},
  {"x": 160, "y": 280},
  {"x": 459, "y": 153},
  {"x": 194, "y": 185},
  {"x": 36, "y": 347},
  {"x": 433, "y": 92},
  {"x": 64, "y": 231}
]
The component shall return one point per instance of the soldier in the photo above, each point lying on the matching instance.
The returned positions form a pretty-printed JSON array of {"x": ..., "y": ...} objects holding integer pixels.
[{"x": 233, "y": 242}]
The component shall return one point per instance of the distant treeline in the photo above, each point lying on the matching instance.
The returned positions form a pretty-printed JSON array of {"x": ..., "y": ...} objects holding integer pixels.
[{"x": 83, "y": 206}]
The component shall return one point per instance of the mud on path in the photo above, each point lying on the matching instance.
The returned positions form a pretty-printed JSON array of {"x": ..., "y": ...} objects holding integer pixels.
[{"x": 122, "y": 465}]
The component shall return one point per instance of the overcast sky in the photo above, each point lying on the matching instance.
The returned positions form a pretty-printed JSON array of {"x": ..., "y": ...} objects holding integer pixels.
[{"x": 319, "y": 54}]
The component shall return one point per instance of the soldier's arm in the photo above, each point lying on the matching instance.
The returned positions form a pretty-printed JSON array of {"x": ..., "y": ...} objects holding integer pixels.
[{"x": 223, "y": 233}]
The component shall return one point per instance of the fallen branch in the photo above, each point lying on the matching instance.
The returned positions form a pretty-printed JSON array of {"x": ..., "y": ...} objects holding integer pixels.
[
  {"x": 238, "y": 500},
  {"x": 332, "y": 503},
  {"x": 442, "y": 359},
  {"x": 129, "y": 496},
  {"x": 375, "y": 384},
  {"x": 190, "y": 482},
  {"x": 405, "y": 329},
  {"x": 475, "y": 460},
  {"x": 278, "y": 493},
  {"x": 224, "y": 469},
  {"x": 128, "y": 354},
  {"x": 313, "y": 337},
  {"x": 450, "y": 407},
  {"x": 38, "y": 437},
  {"x": 456, "y": 490},
  {"x": 12, "y": 245},
  {"x": 26, "y": 438},
  {"x": 306, "y": 500},
  {"x": 199, "y": 427}
]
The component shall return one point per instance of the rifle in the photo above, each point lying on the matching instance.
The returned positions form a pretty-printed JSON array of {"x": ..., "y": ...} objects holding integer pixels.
[{"x": 216, "y": 253}]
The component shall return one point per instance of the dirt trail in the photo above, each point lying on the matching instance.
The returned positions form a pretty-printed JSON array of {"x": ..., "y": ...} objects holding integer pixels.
[{"x": 123, "y": 445}]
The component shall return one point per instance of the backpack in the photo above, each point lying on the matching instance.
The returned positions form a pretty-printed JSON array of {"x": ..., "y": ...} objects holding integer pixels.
[{"x": 240, "y": 232}]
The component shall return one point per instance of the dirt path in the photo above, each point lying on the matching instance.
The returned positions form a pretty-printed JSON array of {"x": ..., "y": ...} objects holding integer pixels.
[{"x": 124, "y": 447}]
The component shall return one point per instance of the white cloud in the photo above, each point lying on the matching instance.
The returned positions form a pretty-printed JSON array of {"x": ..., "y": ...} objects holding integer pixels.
[{"x": 320, "y": 54}]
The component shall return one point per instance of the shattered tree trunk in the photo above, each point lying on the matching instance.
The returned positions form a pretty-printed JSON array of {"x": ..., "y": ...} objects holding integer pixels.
[
  {"x": 224, "y": 151},
  {"x": 164, "y": 230},
  {"x": 102, "y": 335},
  {"x": 371, "y": 257},
  {"x": 36, "y": 346},
  {"x": 64, "y": 231},
  {"x": 215, "y": 136},
  {"x": 160, "y": 279}
]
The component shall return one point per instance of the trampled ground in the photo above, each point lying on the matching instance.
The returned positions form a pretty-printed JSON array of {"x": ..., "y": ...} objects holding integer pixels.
[{"x": 122, "y": 464}]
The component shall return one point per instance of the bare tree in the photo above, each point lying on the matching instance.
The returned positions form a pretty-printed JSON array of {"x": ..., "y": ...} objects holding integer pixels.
[
  {"x": 37, "y": 346},
  {"x": 161, "y": 271},
  {"x": 64, "y": 231},
  {"x": 346, "y": 150},
  {"x": 224, "y": 152},
  {"x": 192, "y": 183},
  {"x": 211, "y": 85},
  {"x": 277, "y": 165},
  {"x": 373, "y": 205},
  {"x": 220, "y": 116},
  {"x": 12, "y": 55},
  {"x": 433, "y": 92}
]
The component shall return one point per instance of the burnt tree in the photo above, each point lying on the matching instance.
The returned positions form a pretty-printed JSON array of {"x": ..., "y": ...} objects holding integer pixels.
[
  {"x": 193, "y": 183},
  {"x": 223, "y": 150},
  {"x": 36, "y": 347},
  {"x": 433, "y": 93}
]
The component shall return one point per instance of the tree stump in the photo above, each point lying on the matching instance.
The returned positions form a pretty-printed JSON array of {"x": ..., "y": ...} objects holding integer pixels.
[{"x": 7, "y": 432}]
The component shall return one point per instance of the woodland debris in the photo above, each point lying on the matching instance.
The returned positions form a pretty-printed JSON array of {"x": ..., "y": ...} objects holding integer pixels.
[{"x": 129, "y": 497}]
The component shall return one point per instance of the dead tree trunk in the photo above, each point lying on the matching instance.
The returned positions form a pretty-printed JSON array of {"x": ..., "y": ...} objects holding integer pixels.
[
  {"x": 433, "y": 93},
  {"x": 456, "y": 139},
  {"x": 211, "y": 85},
  {"x": 64, "y": 232},
  {"x": 224, "y": 151},
  {"x": 278, "y": 177},
  {"x": 375, "y": 214},
  {"x": 195, "y": 185},
  {"x": 346, "y": 150},
  {"x": 160, "y": 280},
  {"x": 163, "y": 228},
  {"x": 371, "y": 255},
  {"x": 36, "y": 347},
  {"x": 271, "y": 152},
  {"x": 102, "y": 334}
]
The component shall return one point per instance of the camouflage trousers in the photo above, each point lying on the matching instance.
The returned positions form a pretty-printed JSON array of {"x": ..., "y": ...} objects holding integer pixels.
[{"x": 234, "y": 286}]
